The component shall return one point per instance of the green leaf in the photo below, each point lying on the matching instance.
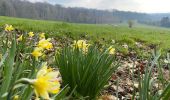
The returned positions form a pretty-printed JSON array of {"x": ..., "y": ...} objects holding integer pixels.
[
  {"x": 62, "y": 94},
  {"x": 3, "y": 59},
  {"x": 166, "y": 93},
  {"x": 8, "y": 67}
]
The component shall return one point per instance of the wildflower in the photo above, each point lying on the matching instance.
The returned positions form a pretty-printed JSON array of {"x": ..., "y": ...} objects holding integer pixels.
[
  {"x": 111, "y": 50},
  {"x": 42, "y": 36},
  {"x": 16, "y": 97},
  {"x": 37, "y": 52},
  {"x": 31, "y": 34},
  {"x": 125, "y": 46},
  {"x": 113, "y": 41},
  {"x": 138, "y": 44},
  {"x": 81, "y": 44},
  {"x": 9, "y": 28},
  {"x": 20, "y": 38},
  {"x": 45, "y": 44},
  {"x": 46, "y": 82}
]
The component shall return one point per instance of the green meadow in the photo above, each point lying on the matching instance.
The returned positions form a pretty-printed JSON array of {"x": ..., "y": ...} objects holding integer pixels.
[{"x": 121, "y": 33}]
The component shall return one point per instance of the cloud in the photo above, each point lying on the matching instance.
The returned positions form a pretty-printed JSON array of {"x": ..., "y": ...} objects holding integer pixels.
[
  {"x": 105, "y": 4},
  {"x": 126, "y": 5},
  {"x": 38, "y": 1}
]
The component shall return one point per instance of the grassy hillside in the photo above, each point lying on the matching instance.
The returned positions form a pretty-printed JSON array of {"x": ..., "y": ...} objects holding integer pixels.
[{"x": 100, "y": 33}]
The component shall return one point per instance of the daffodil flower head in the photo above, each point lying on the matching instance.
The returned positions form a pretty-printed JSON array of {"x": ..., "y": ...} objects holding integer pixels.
[
  {"x": 20, "y": 38},
  {"x": 37, "y": 52},
  {"x": 9, "y": 28},
  {"x": 42, "y": 35},
  {"x": 31, "y": 34},
  {"x": 111, "y": 50},
  {"x": 45, "y": 44},
  {"x": 81, "y": 44},
  {"x": 46, "y": 82}
]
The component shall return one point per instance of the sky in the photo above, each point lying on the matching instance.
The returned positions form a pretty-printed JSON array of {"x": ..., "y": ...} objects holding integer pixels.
[{"x": 147, "y": 6}]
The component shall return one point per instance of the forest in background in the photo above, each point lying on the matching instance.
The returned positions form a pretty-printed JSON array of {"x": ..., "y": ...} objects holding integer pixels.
[{"x": 46, "y": 11}]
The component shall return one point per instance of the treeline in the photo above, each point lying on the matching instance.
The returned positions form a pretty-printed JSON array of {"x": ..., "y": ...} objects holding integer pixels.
[
  {"x": 25, "y": 9},
  {"x": 165, "y": 22}
]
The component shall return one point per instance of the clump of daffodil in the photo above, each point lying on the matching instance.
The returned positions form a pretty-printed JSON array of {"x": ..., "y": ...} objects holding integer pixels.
[
  {"x": 111, "y": 50},
  {"x": 20, "y": 38},
  {"x": 42, "y": 35},
  {"x": 9, "y": 28},
  {"x": 37, "y": 52},
  {"x": 45, "y": 44},
  {"x": 81, "y": 44},
  {"x": 46, "y": 82},
  {"x": 31, "y": 34}
]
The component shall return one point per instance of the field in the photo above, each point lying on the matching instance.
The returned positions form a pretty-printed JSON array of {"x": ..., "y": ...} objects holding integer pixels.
[
  {"x": 52, "y": 60},
  {"x": 147, "y": 34}
]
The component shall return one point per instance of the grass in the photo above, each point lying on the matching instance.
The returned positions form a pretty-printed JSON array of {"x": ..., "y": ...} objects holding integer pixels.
[
  {"x": 105, "y": 33},
  {"x": 80, "y": 71}
]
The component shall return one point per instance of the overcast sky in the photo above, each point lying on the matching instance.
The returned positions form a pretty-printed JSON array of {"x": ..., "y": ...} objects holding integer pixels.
[{"x": 148, "y": 6}]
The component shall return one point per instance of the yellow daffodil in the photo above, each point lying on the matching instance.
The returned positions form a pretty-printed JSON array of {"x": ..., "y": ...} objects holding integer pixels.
[
  {"x": 9, "y": 28},
  {"x": 31, "y": 34},
  {"x": 16, "y": 97},
  {"x": 42, "y": 35},
  {"x": 46, "y": 82},
  {"x": 45, "y": 44},
  {"x": 111, "y": 50},
  {"x": 37, "y": 52},
  {"x": 20, "y": 38},
  {"x": 81, "y": 44}
]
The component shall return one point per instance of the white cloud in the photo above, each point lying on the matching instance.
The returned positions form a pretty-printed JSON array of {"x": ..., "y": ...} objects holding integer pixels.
[
  {"x": 154, "y": 5},
  {"x": 38, "y": 1},
  {"x": 105, "y": 4}
]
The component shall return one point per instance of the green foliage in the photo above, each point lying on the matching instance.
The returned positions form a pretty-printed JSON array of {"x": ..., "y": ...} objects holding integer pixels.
[
  {"x": 87, "y": 72},
  {"x": 122, "y": 49},
  {"x": 84, "y": 74},
  {"x": 17, "y": 63},
  {"x": 146, "y": 82},
  {"x": 8, "y": 69},
  {"x": 127, "y": 40}
]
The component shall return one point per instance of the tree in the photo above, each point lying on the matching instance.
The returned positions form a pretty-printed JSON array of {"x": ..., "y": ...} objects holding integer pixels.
[
  {"x": 130, "y": 23},
  {"x": 39, "y": 10},
  {"x": 165, "y": 22}
]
